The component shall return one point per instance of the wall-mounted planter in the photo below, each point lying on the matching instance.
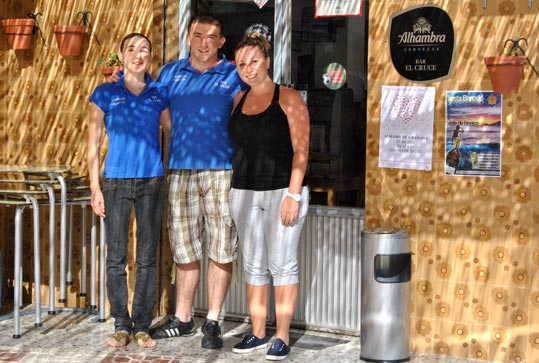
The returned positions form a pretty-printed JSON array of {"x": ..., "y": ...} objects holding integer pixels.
[
  {"x": 19, "y": 32},
  {"x": 70, "y": 39},
  {"x": 109, "y": 70},
  {"x": 505, "y": 72}
]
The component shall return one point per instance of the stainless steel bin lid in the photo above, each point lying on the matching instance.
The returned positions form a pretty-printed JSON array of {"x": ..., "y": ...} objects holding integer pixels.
[{"x": 403, "y": 233}]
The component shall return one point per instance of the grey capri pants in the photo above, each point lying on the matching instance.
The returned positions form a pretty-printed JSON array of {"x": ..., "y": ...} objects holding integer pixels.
[{"x": 268, "y": 247}]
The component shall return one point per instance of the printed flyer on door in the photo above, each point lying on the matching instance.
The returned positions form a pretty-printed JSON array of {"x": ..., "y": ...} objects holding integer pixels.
[
  {"x": 406, "y": 127},
  {"x": 473, "y": 133}
]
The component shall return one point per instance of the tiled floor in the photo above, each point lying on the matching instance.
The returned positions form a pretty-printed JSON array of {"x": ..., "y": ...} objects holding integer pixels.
[{"x": 77, "y": 337}]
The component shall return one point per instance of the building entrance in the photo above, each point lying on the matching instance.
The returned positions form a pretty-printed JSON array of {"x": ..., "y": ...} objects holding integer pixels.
[{"x": 324, "y": 59}]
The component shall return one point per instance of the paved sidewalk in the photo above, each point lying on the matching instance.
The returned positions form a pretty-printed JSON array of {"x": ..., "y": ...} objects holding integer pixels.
[{"x": 77, "y": 337}]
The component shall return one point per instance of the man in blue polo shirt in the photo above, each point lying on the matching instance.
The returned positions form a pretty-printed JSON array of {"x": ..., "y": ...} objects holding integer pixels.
[{"x": 201, "y": 89}]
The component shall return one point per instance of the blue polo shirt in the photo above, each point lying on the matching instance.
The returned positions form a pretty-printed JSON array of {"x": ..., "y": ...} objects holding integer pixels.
[
  {"x": 200, "y": 106},
  {"x": 132, "y": 125}
]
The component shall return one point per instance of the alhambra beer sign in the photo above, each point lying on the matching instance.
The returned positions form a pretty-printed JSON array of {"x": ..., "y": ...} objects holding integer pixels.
[{"x": 422, "y": 43}]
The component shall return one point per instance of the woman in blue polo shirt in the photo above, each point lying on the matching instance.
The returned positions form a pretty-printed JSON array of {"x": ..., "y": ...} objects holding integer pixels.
[{"x": 132, "y": 110}]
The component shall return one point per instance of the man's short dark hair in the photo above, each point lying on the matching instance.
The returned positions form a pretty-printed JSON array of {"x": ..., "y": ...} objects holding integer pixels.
[{"x": 207, "y": 19}]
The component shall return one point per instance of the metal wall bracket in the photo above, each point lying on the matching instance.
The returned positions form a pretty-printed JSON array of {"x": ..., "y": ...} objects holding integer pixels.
[{"x": 530, "y": 4}]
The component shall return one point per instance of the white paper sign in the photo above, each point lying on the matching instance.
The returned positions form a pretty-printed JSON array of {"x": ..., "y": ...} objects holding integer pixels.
[
  {"x": 260, "y": 3},
  {"x": 330, "y": 8},
  {"x": 406, "y": 127}
]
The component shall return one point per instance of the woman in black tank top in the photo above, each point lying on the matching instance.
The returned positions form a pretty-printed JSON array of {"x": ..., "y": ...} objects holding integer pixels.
[
  {"x": 269, "y": 199},
  {"x": 263, "y": 154}
]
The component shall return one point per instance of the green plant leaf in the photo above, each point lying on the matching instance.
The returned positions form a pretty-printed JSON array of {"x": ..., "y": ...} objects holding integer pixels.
[{"x": 112, "y": 60}]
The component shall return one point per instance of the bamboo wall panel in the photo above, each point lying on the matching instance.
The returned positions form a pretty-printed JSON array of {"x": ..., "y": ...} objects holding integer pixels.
[
  {"x": 475, "y": 285},
  {"x": 44, "y": 110}
]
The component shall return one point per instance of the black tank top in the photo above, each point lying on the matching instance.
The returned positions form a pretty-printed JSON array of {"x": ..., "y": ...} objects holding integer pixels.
[{"x": 262, "y": 158}]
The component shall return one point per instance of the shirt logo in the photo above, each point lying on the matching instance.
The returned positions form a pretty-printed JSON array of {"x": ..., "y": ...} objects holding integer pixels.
[
  {"x": 222, "y": 84},
  {"x": 118, "y": 101},
  {"x": 179, "y": 78},
  {"x": 155, "y": 99}
]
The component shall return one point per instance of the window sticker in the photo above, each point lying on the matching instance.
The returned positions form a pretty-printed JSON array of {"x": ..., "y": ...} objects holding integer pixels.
[{"x": 334, "y": 76}]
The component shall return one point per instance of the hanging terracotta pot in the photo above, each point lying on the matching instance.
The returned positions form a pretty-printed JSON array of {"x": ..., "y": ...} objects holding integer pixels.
[
  {"x": 19, "y": 32},
  {"x": 70, "y": 39},
  {"x": 505, "y": 72}
]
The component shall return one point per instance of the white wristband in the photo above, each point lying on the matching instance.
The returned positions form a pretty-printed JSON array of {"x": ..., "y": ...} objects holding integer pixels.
[{"x": 296, "y": 197}]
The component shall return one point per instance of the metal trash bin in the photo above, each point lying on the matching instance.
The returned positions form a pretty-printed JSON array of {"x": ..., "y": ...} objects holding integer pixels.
[{"x": 386, "y": 262}]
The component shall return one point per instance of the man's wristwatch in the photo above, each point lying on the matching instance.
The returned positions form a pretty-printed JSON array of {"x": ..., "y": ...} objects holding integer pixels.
[{"x": 296, "y": 197}]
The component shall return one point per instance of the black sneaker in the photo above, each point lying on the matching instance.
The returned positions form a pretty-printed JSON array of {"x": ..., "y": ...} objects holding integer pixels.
[
  {"x": 212, "y": 335},
  {"x": 174, "y": 328},
  {"x": 278, "y": 350},
  {"x": 249, "y": 344}
]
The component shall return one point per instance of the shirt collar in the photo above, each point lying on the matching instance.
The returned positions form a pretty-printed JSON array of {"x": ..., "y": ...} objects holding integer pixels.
[
  {"x": 150, "y": 83},
  {"x": 218, "y": 68}
]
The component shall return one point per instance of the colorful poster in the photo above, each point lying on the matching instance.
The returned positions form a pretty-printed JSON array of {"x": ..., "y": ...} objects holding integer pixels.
[
  {"x": 406, "y": 127},
  {"x": 473, "y": 133}
]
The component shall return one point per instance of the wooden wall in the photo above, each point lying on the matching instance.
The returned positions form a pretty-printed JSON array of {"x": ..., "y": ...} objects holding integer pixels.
[
  {"x": 475, "y": 284},
  {"x": 44, "y": 110}
]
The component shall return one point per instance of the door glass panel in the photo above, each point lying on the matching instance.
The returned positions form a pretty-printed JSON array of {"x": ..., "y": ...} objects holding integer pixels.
[
  {"x": 329, "y": 64},
  {"x": 238, "y": 16}
]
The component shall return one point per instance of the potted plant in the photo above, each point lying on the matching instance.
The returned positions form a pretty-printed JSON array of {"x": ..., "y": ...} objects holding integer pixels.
[
  {"x": 111, "y": 64},
  {"x": 505, "y": 71},
  {"x": 19, "y": 32}
]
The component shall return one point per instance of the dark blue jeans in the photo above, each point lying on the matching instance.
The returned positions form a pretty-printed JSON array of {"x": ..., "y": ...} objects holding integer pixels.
[{"x": 147, "y": 195}]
